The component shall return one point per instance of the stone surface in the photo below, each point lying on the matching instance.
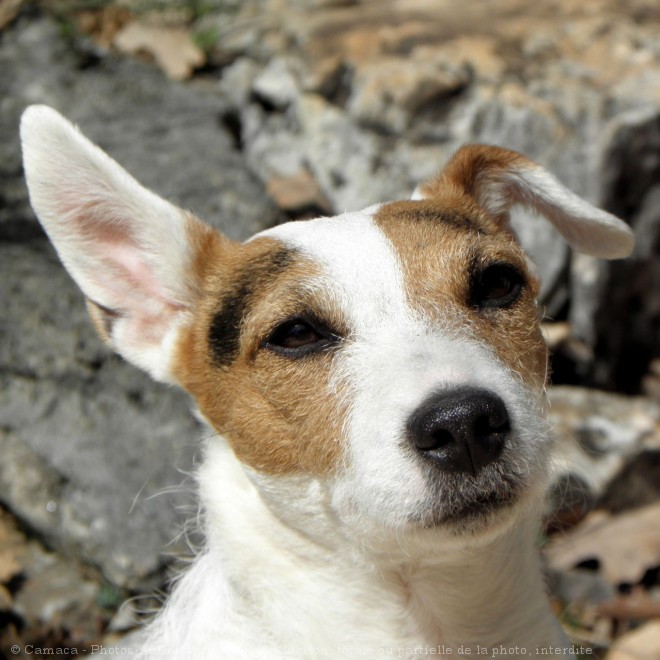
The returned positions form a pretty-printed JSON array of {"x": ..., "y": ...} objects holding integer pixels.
[
  {"x": 630, "y": 290},
  {"x": 47, "y": 596},
  {"x": 87, "y": 441},
  {"x": 600, "y": 436}
]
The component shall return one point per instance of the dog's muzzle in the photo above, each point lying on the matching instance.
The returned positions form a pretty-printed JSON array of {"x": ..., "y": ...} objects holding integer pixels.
[{"x": 460, "y": 430}]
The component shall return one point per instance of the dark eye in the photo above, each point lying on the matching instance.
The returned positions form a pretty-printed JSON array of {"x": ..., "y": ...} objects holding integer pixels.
[
  {"x": 499, "y": 285},
  {"x": 299, "y": 337}
]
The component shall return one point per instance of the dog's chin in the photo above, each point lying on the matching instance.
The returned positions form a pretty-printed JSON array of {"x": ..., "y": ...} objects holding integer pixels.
[
  {"x": 486, "y": 514},
  {"x": 465, "y": 506}
]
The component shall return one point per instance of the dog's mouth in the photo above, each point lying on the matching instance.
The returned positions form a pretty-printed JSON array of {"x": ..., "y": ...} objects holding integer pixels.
[
  {"x": 464, "y": 501},
  {"x": 484, "y": 505}
]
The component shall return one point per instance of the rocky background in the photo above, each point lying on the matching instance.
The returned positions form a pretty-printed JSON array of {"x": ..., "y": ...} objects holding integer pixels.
[{"x": 253, "y": 112}]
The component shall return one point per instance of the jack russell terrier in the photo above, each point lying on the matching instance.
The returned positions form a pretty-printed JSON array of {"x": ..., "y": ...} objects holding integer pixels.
[{"x": 376, "y": 382}]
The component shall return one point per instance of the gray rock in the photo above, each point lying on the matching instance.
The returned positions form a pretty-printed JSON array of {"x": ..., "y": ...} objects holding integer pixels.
[
  {"x": 88, "y": 442},
  {"x": 167, "y": 135},
  {"x": 626, "y": 318},
  {"x": 598, "y": 433},
  {"x": 56, "y": 590},
  {"x": 580, "y": 587},
  {"x": 276, "y": 85},
  {"x": 48, "y": 592}
]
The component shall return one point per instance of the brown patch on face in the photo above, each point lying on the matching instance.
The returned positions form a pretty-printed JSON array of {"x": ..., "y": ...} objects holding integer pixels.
[
  {"x": 276, "y": 411},
  {"x": 444, "y": 244}
]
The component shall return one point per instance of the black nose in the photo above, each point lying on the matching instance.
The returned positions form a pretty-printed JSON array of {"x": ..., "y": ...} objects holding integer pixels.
[{"x": 461, "y": 430}]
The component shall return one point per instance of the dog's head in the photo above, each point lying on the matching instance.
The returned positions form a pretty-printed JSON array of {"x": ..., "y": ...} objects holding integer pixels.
[{"x": 388, "y": 360}]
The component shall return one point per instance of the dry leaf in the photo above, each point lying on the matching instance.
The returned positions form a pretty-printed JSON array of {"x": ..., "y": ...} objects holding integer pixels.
[
  {"x": 625, "y": 545},
  {"x": 9, "y": 11},
  {"x": 640, "y": 644},
  {"x": 103, "y": 24},
  {"x": 12, "y": 548},
  {"x": 555, "y": 333},
  {"x": 296, "y": 192},
  {"x": 171, "y": 47},
  {"x": 6, "y": 600}
]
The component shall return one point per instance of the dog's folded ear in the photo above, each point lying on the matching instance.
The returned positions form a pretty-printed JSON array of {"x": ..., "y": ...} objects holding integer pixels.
[
  {"x": 498, "y": 179},
  {"x": 131, "y": 252}
]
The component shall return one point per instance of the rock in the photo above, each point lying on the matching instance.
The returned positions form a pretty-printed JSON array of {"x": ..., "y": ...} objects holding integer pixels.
[
  {"x": 56, "y": 593},
  {"x": 579, "y": 587},
  {"x": 88, "y": 442},
  {"x": 600, "y": 437},
  {"x": 637, "y": 484},
  {"x": 275, "y": 85},
  {"x": 630, "y": 290},
  {"x": 46, "y": 595},
  {"x": 167, "y": 135},
  {"x": 390, "y": 92}
]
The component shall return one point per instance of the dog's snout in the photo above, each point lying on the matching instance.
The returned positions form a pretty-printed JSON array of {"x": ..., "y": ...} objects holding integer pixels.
[{"x": 461, "y": 430}]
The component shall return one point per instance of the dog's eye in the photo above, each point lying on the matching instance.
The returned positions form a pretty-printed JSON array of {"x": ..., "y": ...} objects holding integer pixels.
[
  {"x": 499, "y": 285},
  {"x": 294, "y": 335},
  {"x": 299, "y": 337}
]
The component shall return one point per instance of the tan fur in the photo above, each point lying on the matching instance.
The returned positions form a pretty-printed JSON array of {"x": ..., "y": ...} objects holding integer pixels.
[
  {"x": 438, "y": 242},
  {"x": 464, "y": 174},
  {"x": 277, "y": 413}
]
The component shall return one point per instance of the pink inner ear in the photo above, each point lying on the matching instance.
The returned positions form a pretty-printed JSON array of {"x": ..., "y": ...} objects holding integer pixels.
[
  {"x": 118, "y": 273},
  {"x": 130, "y": 265},
  {"x": 119, "y": 270}
]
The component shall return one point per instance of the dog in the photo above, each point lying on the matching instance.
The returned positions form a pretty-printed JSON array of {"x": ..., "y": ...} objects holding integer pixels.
[{"x": 376, "y": 384}]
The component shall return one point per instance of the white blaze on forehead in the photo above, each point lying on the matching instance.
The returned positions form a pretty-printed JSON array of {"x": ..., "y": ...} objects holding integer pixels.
[{"x": 360, "y": 266}]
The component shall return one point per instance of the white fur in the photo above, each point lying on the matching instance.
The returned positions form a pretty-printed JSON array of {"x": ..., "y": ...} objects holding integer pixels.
[
  {"x": 584, "y": 227},
  {"x": 335, "y": 567},
  {"x": 262, "y": 588}
]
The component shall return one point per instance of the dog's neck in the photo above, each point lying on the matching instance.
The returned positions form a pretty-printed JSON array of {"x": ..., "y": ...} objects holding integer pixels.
[{"x": 340, "y": 602}]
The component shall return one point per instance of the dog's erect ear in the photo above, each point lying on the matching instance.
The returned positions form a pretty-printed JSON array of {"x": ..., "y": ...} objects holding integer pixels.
[
  {"x": 499, "y": 179},
  {"x": 131, "y": 252}
]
